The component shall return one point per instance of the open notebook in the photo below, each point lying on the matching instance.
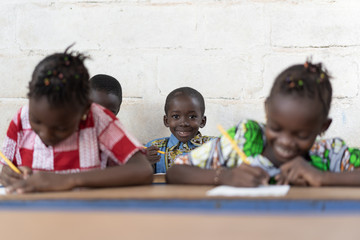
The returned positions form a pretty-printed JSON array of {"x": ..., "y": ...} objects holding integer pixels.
[{"x": 261, "y": 191}]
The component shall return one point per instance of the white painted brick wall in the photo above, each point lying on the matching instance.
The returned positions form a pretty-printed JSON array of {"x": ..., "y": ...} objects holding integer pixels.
[
  {"x": 315, "y": 23},
  {"x": 230, "y": 51}
]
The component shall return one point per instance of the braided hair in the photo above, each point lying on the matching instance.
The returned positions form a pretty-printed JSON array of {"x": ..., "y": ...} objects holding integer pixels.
[
  {"x": 307, "y": 80},
  {"x": 62, "y": 78}
]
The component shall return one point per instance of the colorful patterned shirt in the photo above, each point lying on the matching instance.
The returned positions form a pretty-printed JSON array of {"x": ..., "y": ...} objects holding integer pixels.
[
  {"x": 173, "y": 147},
  {"x": 99, "y": 137},
  {"x": 327, "y": 155}
]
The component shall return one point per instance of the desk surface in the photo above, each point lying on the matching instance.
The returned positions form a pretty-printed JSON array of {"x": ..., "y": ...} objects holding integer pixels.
[
  {"x": 189, "y": 198},
  {"x": 182, "y": 212},
  {"x": 185, "y": 192}
]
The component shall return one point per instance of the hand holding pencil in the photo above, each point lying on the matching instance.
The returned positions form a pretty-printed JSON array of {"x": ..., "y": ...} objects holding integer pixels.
[
  {"x": 157, "y": 149},
  {"x": 244, "y": 175},
  {"x": 152, "y": 154},
  {"x": 10, "y": 173},
  {"x": 9, "y": 163}
]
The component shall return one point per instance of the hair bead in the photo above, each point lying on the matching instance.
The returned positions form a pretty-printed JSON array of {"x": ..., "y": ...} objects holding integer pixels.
[{"x": 46, "y": 82}]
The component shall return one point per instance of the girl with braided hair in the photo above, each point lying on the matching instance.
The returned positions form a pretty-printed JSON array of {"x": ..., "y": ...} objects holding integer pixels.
[
  {"x": 285, "y": 149},
  {"x": 61, "y": 140}
]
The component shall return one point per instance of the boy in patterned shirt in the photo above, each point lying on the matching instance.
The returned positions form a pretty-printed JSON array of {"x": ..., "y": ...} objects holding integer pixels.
[{"x": 184, "y": 115}]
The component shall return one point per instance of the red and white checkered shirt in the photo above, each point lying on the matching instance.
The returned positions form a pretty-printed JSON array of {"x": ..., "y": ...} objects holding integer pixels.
[{"x": 98, "y": 137}]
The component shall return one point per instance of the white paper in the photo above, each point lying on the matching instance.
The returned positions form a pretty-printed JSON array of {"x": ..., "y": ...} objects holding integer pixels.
[
  {"x": 2, "y": 191},
  {"x": 261, "y": 191}
]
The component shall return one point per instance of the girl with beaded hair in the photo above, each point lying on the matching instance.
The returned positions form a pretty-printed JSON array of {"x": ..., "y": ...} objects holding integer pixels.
[
  {"x": 285, "y": 150},
  {"x": 60, "y": 140}
]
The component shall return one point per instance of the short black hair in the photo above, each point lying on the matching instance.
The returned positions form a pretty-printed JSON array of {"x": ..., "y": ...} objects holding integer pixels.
[
  {"x": 305, "y": 80},
  {"x": 62, "y": 78},
  {"x": 187, "y": 91},
  {"x": 106, "y": 83}
]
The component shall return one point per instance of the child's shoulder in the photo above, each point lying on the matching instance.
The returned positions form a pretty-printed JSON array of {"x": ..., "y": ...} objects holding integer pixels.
[
  {"x": 332, "y": 148},
  {"x": 200, "y": 139},
  {"x": 206, "y": 138},
  {"x": 334, "y": 155},
  {"x": 100, "y": 118},
  {"x": 247, "y": 127},
  {"x": 21, "y": 118},
  {"x": 334, "y": 144},
  {"x": 158, "y": 142},
  {"x": 250, "y": 124},
  {"x": 99, "y": 111}
]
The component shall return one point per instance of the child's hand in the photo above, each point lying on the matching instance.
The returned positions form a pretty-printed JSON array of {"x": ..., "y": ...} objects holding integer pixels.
[
  {"x": 8, "y": 176},
  {"x": 152, "y": 154},
  {"x": 299, "y": 172},
  {"x": 246, "y": 176},
  {"x": 41, "y": 182}
]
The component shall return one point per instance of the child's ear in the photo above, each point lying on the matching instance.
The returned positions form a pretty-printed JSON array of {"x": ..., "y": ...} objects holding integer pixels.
[
  {"x": 203, "y": 122},
  {"x": 266, "y": 107},
  {"x": 85, "y": 112},
  {"x": 326, "y": 125},
  {"x": 166, "y": 122}
]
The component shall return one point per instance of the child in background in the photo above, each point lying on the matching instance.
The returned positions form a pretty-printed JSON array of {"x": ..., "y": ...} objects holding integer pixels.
[
  {"x": 106, "y": 91},
  {"x": 184, "y": 115},
  {"x": 285, "y": 148},
  {"x": 61, "y": 141}
]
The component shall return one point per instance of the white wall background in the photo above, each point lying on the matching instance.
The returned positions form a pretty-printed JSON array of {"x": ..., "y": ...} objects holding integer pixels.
[{"x": 230, "y": 51}]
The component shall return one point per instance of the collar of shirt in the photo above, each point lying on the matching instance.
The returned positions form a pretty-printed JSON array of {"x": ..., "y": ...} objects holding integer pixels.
[{"x": 173, "y": 141}]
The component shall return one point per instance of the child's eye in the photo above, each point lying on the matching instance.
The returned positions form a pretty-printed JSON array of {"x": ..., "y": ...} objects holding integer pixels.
[
  {"x": 175, "y": 116},
  {"x": 303, "y": 136},
  {"x": 193, "y": 117},
  {"x": 61, "y": 129},
  {"x": 35, "y": 121},
  {"x": 274, "y": 128}
]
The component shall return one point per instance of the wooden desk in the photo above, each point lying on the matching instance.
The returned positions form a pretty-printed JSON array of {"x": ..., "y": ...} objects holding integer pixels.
[
  {"x": 159, "y": 178},
  {"x": 189, "y": 198},
  {"x": 180, "y": 212}
]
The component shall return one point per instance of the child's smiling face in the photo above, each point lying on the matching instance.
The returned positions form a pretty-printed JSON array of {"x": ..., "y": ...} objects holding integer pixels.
[
  {"x": 184, "y": 117},
  {"x": 292, "y": 126},
  {"x": 53, "y": 124}
]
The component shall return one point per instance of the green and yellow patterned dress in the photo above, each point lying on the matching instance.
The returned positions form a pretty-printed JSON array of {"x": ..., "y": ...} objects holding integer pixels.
[{"x": 327, "y": 155}]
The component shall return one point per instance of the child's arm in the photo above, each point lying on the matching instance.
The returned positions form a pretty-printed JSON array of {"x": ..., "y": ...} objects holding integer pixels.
[
  {"x": 136, "y": 171},
  {"x": 300, "y": 172},
  {"x": 242, "y": 176}
]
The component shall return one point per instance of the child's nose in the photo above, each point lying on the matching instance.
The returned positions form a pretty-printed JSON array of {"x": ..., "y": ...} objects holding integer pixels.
[
  {"x": 184, "y": 121},
  {"x": 286, "y": 140},
  {"x": 45, "y": 134}
]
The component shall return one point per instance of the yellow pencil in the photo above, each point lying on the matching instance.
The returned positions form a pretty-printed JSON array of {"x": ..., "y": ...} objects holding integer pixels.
[
  {"x": 233, "y": 144},
  {"x": 158, "y": 151},
  {"x": 10, "y": 164}
]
